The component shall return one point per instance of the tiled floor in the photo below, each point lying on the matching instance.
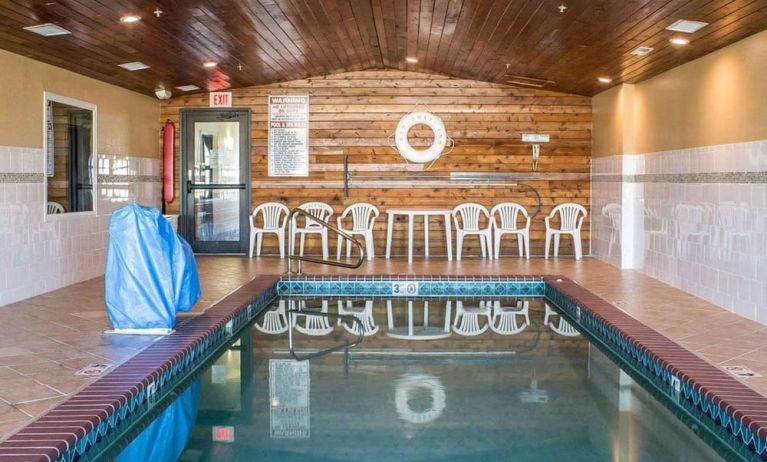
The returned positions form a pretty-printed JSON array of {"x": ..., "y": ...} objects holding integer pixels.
[{"x": 46, "y": 339}]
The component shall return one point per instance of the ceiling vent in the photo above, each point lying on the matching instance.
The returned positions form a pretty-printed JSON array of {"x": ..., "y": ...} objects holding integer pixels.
[
  {"x": 47, "y": 30},
  {"x": 641, "y": 51},
  {"x": 688, "y": 27},
  {"x": 134, "y": 66},
  {"x": 188, "y": 87}
]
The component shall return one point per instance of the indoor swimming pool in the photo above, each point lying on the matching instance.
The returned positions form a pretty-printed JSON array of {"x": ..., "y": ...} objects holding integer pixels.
[
  {"x": 431, "y": 379},
  {"x": 308, "y": 368}
]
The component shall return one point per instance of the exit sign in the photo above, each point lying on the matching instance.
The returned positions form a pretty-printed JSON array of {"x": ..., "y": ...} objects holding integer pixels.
[
  {"x": 221, "y": 99},
  {"x": 223, "y": 434}
]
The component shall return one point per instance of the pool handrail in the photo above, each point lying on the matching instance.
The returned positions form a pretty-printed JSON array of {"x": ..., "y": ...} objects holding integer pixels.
[{"x": 300, "y": 258}]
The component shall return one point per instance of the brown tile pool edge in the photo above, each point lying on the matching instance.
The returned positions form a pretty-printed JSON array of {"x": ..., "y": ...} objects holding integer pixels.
[
  {"x": 89, "y": 411},
  {"x": 736, "y": 399}
]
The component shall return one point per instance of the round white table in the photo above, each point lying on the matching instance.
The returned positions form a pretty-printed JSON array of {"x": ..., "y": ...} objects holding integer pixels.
[{"x": 411, "y": 214}]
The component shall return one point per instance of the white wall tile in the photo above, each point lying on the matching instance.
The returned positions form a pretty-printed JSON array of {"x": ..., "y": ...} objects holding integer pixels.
[
  {"x": 46, "y": 253},
  {"x": 706, "y": 238}
]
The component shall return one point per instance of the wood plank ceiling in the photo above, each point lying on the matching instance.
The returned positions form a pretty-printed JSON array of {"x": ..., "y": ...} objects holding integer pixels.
[{"x": 265, "y": 41}]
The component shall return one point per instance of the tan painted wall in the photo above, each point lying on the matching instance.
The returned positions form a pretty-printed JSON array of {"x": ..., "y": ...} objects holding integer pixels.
[
  {"x": 717, "y": 99},
  {"x": 607, "y": 118},
  {"x": 127, "y": 121}
]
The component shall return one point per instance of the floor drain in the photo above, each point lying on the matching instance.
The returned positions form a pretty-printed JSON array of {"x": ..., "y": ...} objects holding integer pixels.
[
  {"x": 93, "y": 369},
  {"x": 741, "y": 372}
]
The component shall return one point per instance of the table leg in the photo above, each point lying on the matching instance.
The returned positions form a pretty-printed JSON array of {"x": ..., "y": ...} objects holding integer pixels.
[
  {"x": 410, "y": 238},
  {"x": 389, "y": 230},
  {"x": 449, "y": 236},
  {"x": 426, "y": 235}
]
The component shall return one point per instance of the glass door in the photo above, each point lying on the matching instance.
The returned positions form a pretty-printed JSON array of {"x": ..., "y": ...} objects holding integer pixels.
[{"x": 215, "y": 179}]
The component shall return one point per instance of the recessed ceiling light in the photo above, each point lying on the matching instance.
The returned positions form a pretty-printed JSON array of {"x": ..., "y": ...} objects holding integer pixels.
[
  {"x": 134, "y": 66},
  {"x": 688, "y": 27},
  {"x": 641, "y": 51},
  {"x": 129, "y": 19},
  {"x": 679, "y": 41},
  {"x": 209, "y": 64},
  {"x": 47, "y": 30},
  {"x": 605, "y": 79},
  {"x": 188, "y": 87},
  {"x": 411, "y": 60}
]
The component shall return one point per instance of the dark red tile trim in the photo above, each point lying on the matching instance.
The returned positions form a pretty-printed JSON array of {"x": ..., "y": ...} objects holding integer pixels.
[
  {"x": 54, "y": 432},
  {"x": 727, "y": 392}
]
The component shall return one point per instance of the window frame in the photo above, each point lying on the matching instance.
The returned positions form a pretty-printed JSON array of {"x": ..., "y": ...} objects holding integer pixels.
[{"x": 53, "y": 97}]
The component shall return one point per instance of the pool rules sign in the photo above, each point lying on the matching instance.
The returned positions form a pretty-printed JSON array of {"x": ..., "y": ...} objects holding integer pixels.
[{"x": 289, "y": 135}]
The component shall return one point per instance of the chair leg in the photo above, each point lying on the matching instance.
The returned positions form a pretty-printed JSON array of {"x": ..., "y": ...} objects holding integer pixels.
[
  {"x": 325, "y": 250},
  {"x": 521, "y": 244},
  {"x": 458, "y": 245},
  {"x": 548, "y": 245},
  {"x": 482, "y": 245},
  {"x": 281, "y": 242},
  {"x": 497, "y": 246},
  {"x": 259, "y": 243},
  {"x": 370, "y": 248},
  {"x": 292, "y": 242},
  {"x": 556, "y": 245},
  {"x": 348, "y": 249},
  {"x": 252, "y": 241},
  {"x": 527, "y": 244},
  {"x": 303, "y": 241},
  {"x": 577, "y": 244},
  {"x": 489, "y": 243},
  {"x": 339, "y": 246}
]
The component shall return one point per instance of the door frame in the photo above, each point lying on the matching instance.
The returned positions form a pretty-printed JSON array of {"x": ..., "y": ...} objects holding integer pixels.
[{"x": 186, "y": 225}]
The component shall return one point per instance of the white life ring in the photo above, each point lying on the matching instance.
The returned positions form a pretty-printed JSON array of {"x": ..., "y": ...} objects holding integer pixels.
[
  {"x": 420, "y": 156},
  {"x": 407, "y": 385}
]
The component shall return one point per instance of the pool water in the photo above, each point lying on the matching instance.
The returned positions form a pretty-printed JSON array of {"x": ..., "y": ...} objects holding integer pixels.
[{"x": 447, "y": 387}]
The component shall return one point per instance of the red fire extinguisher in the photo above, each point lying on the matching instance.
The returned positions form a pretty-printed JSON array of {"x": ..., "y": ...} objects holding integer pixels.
[{"x": 168, "y": 146}]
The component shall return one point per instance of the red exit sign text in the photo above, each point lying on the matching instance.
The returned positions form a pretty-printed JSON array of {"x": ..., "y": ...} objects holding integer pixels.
[{"x": 221, "y": 99}]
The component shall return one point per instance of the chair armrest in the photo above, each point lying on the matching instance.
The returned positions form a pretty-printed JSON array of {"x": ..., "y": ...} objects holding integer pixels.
[
  {"x": 252, "y": 224},
  {"x": 527, "y": 224}
]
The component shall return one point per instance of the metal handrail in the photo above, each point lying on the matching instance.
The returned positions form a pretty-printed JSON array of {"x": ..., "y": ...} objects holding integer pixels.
[
  {"x": 344, "y": 317},
  {"x": 321, "y": 261}
]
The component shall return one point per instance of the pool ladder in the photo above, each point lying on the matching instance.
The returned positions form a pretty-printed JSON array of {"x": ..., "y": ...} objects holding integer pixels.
[{"x": 299, "y": 259}]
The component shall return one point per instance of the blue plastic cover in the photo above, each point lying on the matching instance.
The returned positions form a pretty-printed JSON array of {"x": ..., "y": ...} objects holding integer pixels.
[
  {"x": 166, "y": 437},
  {"x": 150, "y": 271}
]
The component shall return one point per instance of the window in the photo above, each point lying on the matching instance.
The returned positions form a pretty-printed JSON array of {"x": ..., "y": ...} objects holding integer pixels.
[{"x": 70, "y": 150}]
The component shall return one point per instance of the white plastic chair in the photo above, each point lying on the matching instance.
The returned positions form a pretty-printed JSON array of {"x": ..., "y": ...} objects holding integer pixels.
[
  {"x": 363, "y": 314},
  {"x": 505, "y": 320},
  {"x": 468, "y": 224},
  {"x": 508, "y": 213},
  {"x": 319, "y": 210},
  {"x": 275, "y": 217},
  {"x": 274, "y": 321},
  {"x": 363, "y": 217},
  {"x": 563, "y": 328},
  {"x": 570, "y": 221},
  {"x": 612, "y": 213},
  {"x": 314, "y": 325},
  {"x": 691, "y": 221},
  {"x": 467, "y": 319},
  {"x": 54, "y": 207}
]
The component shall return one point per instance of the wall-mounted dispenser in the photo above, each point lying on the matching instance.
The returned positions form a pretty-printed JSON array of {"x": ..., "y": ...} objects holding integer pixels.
[{"x": 536, "y": 139}]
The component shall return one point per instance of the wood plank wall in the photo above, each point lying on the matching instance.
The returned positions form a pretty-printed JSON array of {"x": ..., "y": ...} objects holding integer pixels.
[{"x": 352, "y": 114}]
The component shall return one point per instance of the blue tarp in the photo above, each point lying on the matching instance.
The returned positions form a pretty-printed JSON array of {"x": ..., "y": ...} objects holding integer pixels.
[
  {"x": 165, "y": 438},
  {"x": 150, "y": 272}
]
